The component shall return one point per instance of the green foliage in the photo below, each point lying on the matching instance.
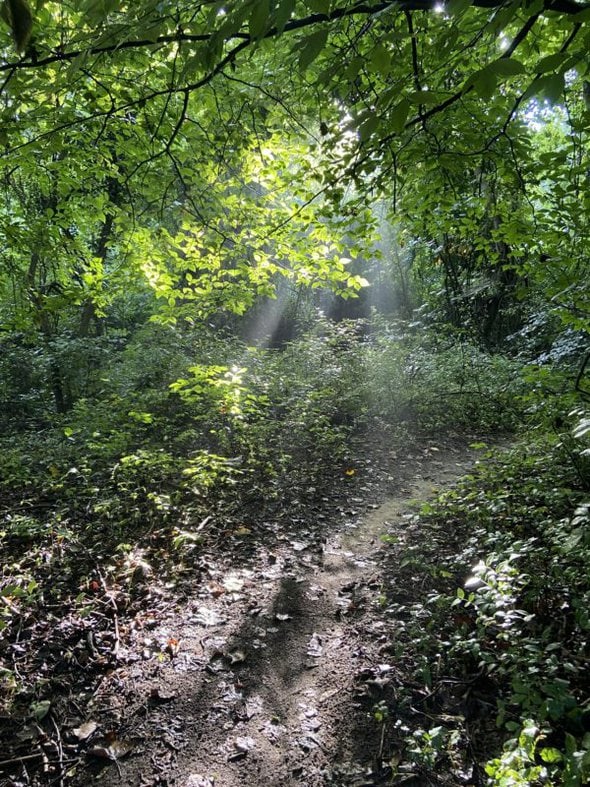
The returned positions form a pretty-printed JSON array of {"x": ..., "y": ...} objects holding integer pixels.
[
  {"x": 168, "y": 166},
  {"x": 441, "y": 382},
  {"x": 517, "y": 625}
]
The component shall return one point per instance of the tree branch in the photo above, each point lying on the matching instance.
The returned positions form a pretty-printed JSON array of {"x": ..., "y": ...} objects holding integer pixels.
[
  {"x": 518, "y": 39},
  {"x": 32, "y": 61}
]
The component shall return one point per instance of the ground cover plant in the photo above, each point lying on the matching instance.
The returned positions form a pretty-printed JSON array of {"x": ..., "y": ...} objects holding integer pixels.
[{"x": 499, "y": 645}]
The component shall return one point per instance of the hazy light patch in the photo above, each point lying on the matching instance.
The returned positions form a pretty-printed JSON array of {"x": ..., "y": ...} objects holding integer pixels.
[
  {"x": 266, "y": 322},
  {"x": 539, "y": 113},
  {"x": 439, "y": 8},
  {"x": 503, "y": 43}
]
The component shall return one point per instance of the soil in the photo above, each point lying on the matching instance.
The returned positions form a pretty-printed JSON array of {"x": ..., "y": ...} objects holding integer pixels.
[{"x": 266, "y": 664}]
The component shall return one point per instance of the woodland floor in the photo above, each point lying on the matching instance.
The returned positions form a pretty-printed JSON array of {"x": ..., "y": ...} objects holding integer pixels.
[{"x": 264, "y": 663}]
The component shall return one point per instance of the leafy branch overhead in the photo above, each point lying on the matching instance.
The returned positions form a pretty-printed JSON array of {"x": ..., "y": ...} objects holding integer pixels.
[{"x": 110, "y": 60}]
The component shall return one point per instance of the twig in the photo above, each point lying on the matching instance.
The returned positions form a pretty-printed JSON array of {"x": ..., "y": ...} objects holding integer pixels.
[
  {"x": 117, "y": 638},
  {"x": 381, "y": 745},
  {"x": 16, "y": 760},
  {"x": 117, "y": 644},
  {"x": 111, "y": 601},
  {"x": 60, "y": 752},
  {"x": 12, "y": 607}
]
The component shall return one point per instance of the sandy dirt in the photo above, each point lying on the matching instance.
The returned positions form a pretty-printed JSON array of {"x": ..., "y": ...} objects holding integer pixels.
[{"x": 268, "y": 672}]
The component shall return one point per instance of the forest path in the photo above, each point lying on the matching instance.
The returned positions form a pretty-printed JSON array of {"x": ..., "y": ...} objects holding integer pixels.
[{"x": 269, "y": 673}]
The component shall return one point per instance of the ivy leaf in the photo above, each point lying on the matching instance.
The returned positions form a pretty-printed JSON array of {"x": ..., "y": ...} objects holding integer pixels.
[
  {"x": 312, "y": 46},
  {"x": 551, "y": 754},
  {"x": 40, "y": 709}
]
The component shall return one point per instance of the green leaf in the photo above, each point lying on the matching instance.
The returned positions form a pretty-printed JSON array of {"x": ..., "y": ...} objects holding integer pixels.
[
  {"x": 424, "y": 97},
  {"x": 456, "y": 7},
  {"x": 19, "y": 18},
  {"x": 551, "y": 62},
  {"x": 570, "y": 744},
  {"x": 367, "y": 127},
  {"x": 399, "y": 115},
  {"x": 96, "y": 10},
  {"x": 284, "y": 13},
  {"x": 502, "y": 18},
  {"x": 318, "y": 6},
  {"x": 485, "y": 84},
  {"x": 551, "y": 754},
  {"x": 259, "y": 18},
  {"x": 506, "y": 66},
  {"x": 40, "y": 709},
  {"x": 311, "y": 48},
  {"x": 448, "y": 161},
  {"x": 549, "y": 86},
  {"x": 380, "y": 60},
  {"x": 353, "y": 68},
  {"x": 583, "y": 16}
]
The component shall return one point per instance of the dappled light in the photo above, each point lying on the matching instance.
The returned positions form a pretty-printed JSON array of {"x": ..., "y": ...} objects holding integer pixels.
[{"x": 294, "y": 393}]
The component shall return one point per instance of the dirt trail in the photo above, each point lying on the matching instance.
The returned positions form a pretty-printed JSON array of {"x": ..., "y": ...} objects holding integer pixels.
[{"x": 269, "y": 673}]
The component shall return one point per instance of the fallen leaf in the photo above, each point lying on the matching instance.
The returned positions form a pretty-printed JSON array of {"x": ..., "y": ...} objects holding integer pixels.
[
  {"x": 207, "y": 617},
  {"x": 172, "y": 646},
  {"x": 196, "y": 780},
  {"x": 327, "y": 694},
  {"x": 40, "y": 709},
  {"x": 233, "y": 584},
  {"x": 215, "y": 589},
  {"x": 101, "y": 752},
  {"x": 157, "y": 695},
  {"x": 244, "y": 744},
  {"x": 84, "y": 731},
  {"x": 273, "y": 730},
  {"x": 314, "y": 646},
  {"x": 116, "y": 750},
  {"x": 349, "y": 587},
  {"x": 253, "y": 706},
  {"x": 299, "y": 546}
]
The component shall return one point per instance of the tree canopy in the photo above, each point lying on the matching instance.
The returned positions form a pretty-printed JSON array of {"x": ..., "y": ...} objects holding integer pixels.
[{"x": 229, "y": 120}]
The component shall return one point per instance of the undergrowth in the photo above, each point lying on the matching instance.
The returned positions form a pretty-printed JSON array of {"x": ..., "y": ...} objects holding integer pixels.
[{"x": 500, "y": 648}]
